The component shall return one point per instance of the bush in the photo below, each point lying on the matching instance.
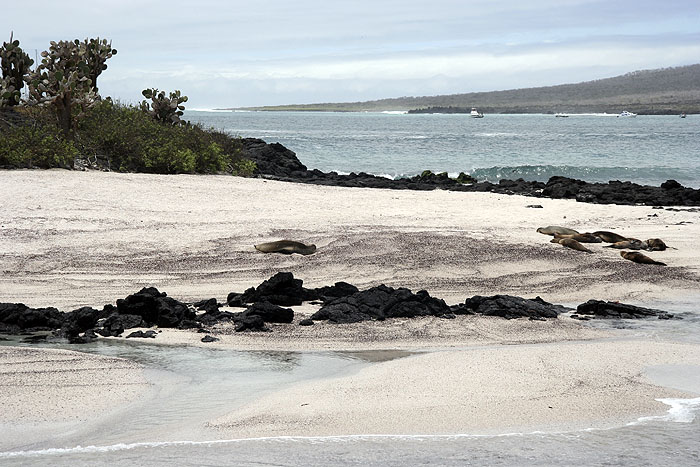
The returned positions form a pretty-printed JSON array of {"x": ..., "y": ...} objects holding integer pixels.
[
  {"x": 30, "y": 146},
  {"x": 134, "y": 142}
]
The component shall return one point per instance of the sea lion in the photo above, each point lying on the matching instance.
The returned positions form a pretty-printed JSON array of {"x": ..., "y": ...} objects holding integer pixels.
[
  {"x": 631, "y": 244},
  {"x": 286, "y": 247},
  {"x": 638, "y": 257},
  {"x": 581, "y": 237},
  {"x": 552, "y": 229},
  {"x": 609, "y": 237},
  {"x": 656, "y": 244},
  {"x": 570, "y": 243}
]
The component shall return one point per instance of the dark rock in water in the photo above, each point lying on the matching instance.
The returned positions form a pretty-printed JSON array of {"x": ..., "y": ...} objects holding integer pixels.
[
  {"x": 281, "y": 289},
  {"x": 510, "y": 307},
  {"x": 18, "y": 316},
  {"x": 115, "y": 324},
  {"x": 86, "y": 338},
  {"x": 379, "y": 303},
  {"x": 210, "y": 305},
  {"x": 208, "y": 338},
  {"x": 155, "y": 307},
  {"x": 35, "y": 339},
  {"x": 306, "y": 322},
  {"x": 112, "y": 326},
  {"x": 148, "y": 334},
  {"x": 269, "y": 313},
  {"x": 602, "y": 309},
  {"x": 80, "y": 320},
  {"x": 251, "y": 323}
]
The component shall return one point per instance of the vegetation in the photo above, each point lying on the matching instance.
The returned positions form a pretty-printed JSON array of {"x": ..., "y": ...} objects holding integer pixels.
[
  {"x": 15, "y": 65},
  {"x": 662, "y": 91},
  {"x": 64, "y": 120},
  {"x": 164, "y": 109}
]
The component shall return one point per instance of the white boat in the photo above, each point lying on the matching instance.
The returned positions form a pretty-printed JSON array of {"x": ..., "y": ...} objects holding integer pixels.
[
  {"x": 625, "y": 113},
  {"x": 475, "y": 113}
]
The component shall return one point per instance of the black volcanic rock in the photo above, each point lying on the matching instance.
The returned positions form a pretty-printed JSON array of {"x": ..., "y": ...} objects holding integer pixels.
[
  {"x": 281, "y": 289},
  {"x": 80, "y": 320},
  {"x": 331, "y": 292},
  {"x": 148, "y": 334},
  {"x": 379, "y": 303},
  {"x": 251, "y": 323},
  {"x": 210, "y": 305},
  {"x": 271, "y": 159},
  {"x": 279, "y": 163},
  {"x": 18, "y": 316},
  {"x": 155, "y": 307},
  {"x": 602, "y": 309},
  {"x": 510, "y": 307},
  {"x": 270, "y": 313}
]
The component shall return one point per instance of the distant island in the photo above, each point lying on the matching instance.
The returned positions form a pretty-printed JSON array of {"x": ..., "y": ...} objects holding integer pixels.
[{"x": 665, "y": 91}]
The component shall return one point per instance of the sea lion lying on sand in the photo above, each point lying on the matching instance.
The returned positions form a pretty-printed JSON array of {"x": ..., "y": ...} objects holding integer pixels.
[
  {"x": 555, "y": 229},
  {"x": 639, "y": 258},
  {"x": 570, "y": 243},
  {"x": 286, "y": 247},
  {"x": 582, "y": 237},
  {"x": 656, "y": 244},
  {"x": 609, "y": 237},
  {"x": 631, "y": 244}
]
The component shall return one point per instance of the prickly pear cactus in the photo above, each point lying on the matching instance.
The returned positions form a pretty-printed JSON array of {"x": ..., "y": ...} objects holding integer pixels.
[
  {"x": 97, "y": 52},
  {"x": 62, "y": 81},
  {"x": 162, "y": 108},
  {"x": 15, "y": 65}
]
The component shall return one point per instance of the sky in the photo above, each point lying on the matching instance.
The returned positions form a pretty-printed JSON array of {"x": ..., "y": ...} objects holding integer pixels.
[{"x": 270, "y": 52}]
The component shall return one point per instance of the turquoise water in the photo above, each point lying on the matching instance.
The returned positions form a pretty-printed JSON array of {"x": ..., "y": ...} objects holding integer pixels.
[{"x": 595, "y": 148}]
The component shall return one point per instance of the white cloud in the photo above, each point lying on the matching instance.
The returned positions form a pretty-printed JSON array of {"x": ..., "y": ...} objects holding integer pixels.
[{"x": 274, "y": 51}]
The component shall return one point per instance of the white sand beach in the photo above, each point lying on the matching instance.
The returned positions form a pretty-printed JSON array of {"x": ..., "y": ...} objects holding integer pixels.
[{"x": 69, "y": 239}]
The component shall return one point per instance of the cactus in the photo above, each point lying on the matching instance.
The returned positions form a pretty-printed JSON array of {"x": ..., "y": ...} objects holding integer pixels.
[
  {"x": 97, "y": 52},
  {"x": 15, "y": 65},
  {"x": 65, "y": 79},
  {"x": 61, "y": 81},
  {"x": 164, "y": 109}
]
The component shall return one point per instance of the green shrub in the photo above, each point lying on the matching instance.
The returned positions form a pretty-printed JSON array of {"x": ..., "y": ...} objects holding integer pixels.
[
  {"x": 135, "y": 142},
  {"x": 29, "y": 146},
  {"x": 244, "y": 168}
]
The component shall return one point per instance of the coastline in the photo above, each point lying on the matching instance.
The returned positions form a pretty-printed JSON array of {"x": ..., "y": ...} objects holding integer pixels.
[{"x": 86, "y": 238}]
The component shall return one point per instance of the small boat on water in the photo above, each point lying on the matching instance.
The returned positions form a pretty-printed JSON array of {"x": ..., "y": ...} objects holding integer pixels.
[
  {"x": 475, "y": 113},
  {"x": 682, "y": 114},
  {"x": 625, "y": 113},
  {"x": 561, "y": 115}
]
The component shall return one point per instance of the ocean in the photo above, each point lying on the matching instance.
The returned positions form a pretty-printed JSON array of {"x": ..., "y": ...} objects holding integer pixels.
[
  {"x": 592, "y": 147},
  {"x": 197, "y": 383}
]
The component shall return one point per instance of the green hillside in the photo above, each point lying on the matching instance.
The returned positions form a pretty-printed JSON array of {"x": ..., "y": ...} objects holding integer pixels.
[{"x": 661, "y": 91}]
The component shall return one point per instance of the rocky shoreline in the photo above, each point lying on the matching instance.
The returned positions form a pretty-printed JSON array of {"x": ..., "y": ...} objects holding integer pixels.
[{"x": 275, "y": 161}]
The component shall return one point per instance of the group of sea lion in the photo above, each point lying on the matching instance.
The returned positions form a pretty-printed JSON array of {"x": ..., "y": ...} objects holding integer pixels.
[{"x": 572, "y": 239}]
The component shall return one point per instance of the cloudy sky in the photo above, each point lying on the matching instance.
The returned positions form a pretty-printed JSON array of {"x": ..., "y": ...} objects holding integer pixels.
[{"x": 266, "y": 52}]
